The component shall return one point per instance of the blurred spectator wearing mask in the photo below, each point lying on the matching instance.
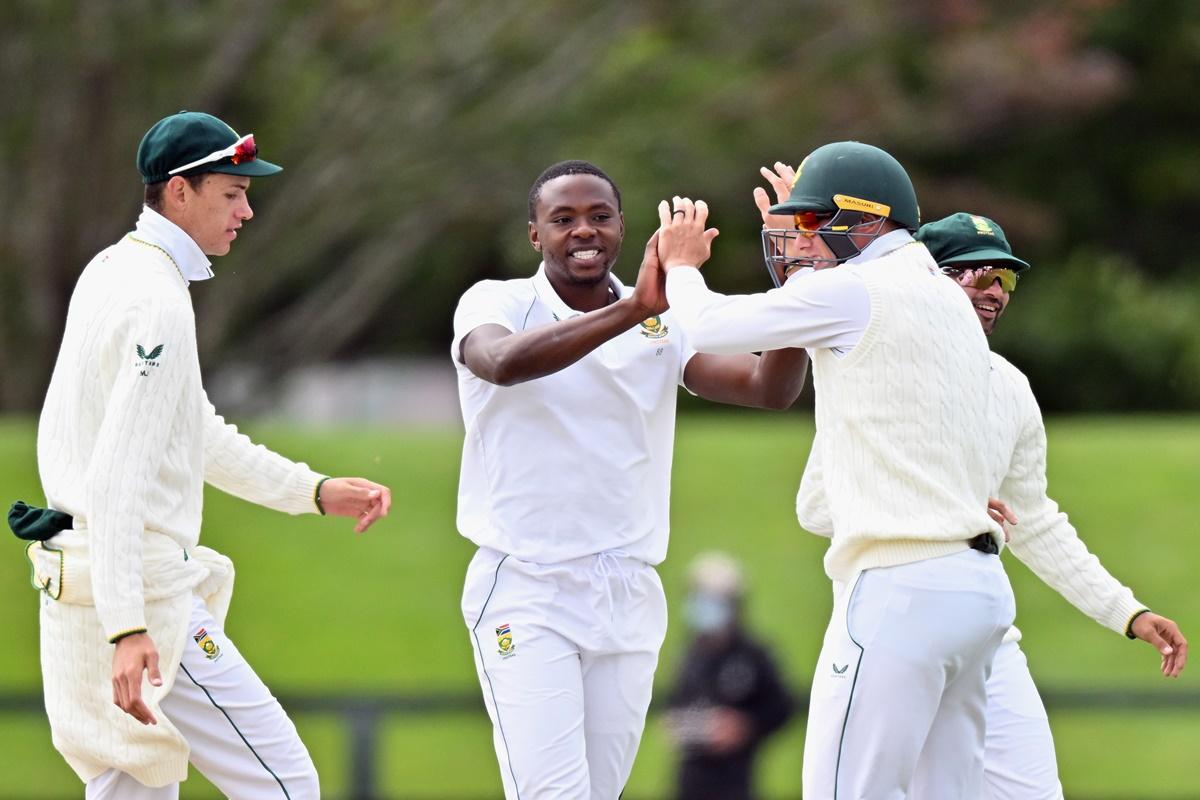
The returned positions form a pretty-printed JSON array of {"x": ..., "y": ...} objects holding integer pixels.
[{"x": 727, "y": 698}]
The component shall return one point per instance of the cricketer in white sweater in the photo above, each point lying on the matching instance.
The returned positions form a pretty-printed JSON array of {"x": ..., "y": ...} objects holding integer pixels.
[
  {"x": 900, "y": 364},
  {"x": 898, "y": 491},
  {"x": 126, "y": 441}
]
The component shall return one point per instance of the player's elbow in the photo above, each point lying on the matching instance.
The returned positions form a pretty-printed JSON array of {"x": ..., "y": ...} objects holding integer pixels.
[
  {"x": 503, "y": 370},
  {"x": 776, "y": 399}
]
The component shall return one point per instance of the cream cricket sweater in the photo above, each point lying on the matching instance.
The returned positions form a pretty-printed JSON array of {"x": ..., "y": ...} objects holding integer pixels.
[
  {"x": 899, "y": 412},
  {"x": 1044, "y": 540},
  {"x": 905, "y": 466},
  {"x": 126, "y": 441}
]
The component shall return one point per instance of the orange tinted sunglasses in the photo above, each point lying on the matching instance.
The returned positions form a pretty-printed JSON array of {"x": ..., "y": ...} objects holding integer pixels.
[{"x": 811, "y": 221}]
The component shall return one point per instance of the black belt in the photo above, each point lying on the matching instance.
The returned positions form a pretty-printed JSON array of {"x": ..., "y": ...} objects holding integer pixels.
[{"x": 984, "y": 543}]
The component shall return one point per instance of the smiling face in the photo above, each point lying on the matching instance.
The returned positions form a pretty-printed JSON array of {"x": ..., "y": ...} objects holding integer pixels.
[
  {"x": 577, "y": 229},
  {"x": 989, "y": 303},
  {"x": 212, "y": 213}
]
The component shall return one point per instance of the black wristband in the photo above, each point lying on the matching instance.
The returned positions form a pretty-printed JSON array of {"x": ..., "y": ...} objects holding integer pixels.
[
  {"x": 317, "y": 495},
  {"x": 123, "y": 634},
  {"x": 1129, "y": 628}
]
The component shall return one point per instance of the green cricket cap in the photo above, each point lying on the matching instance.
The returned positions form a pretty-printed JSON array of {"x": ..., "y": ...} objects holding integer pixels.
[
  {"x": 968, "y": 238},
  {"x": 191, "y": 143},
  {"x": 853, "y": 176}
]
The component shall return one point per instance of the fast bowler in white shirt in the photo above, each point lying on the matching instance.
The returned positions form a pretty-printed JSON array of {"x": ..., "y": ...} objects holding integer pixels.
[
  {"x": 899, "y": 366},
  {"x": 568, "y": 383}
]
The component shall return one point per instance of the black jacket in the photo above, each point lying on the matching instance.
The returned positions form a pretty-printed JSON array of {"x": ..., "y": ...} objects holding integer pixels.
[{"x": 740, "y": 675}]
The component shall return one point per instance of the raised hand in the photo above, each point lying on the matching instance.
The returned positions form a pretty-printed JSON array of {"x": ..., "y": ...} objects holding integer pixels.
[
  {"x": 780, "y": 179},
  {"x": 650, "y": 292},
  {"x": 682, "y": 238}
]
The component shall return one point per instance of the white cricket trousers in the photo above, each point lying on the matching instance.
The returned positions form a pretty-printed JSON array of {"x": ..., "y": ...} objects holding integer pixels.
[
  {"x": 898, "y": 697},
  {"x": 565, "y": 655},
  {"x": 1018, "y": 757},
  {"x": 239, "y": 736}
]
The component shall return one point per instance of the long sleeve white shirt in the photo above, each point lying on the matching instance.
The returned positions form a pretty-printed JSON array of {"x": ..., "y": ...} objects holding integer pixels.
[{"x": 828, "y": 308}]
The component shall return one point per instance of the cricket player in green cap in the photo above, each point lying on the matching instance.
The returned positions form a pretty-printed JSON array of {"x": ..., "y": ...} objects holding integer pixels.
[
  {"x": 139, "y": 675},
  {"x": 899, "y": 364},
  {"x": 1019, "y": 761}
]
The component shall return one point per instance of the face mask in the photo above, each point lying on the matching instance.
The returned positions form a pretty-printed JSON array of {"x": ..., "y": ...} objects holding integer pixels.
[{"x": 706, "y": 613}]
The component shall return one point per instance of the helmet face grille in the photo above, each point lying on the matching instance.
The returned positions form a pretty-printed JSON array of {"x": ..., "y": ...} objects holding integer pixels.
[{"x": 782, "y": 252}]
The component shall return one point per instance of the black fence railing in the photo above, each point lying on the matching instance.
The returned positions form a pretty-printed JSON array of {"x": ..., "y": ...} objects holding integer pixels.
[{"x": 363, "y": 714}]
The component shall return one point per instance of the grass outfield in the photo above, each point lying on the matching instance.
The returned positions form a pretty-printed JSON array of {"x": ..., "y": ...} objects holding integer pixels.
[{"x": 319, "y": 609}]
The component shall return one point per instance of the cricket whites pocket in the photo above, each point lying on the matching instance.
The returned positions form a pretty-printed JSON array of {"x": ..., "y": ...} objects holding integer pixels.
[{"x": 481, "y": 582}]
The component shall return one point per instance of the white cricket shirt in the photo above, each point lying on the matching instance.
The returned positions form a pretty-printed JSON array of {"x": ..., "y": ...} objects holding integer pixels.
[{"x": 577, "y": 462}]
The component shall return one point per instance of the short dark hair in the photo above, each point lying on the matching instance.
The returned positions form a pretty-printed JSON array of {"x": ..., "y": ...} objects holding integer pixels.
[
  {"x": 154, "y": 191},
  {"x": 574, "y": 167}
]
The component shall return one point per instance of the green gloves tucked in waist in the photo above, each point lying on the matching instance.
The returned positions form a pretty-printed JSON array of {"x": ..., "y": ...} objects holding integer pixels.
[{"x": 35, "y": 524}]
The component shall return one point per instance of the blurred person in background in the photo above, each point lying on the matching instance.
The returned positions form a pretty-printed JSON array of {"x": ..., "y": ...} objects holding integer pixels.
[
  {"x": 728, "y": 698},
  {"x": 139, "y": 676}
]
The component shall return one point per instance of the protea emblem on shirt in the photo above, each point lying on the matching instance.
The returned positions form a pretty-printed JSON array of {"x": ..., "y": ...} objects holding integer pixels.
[{"x": 653, "y": 328}]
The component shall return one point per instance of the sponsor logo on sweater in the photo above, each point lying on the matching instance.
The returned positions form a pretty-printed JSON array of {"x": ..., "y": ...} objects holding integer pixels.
[{"x": 147, "y": 360}]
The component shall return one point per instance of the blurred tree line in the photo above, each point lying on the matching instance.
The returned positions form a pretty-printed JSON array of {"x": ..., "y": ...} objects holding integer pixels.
[{"x": 411, "y": 131}]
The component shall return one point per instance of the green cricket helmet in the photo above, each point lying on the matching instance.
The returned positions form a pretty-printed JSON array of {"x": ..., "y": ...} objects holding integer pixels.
[{"x": 835, "y": 188}]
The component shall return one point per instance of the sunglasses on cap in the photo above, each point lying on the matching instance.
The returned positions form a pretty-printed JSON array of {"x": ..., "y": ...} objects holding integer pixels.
[
  {"x": 983, "y": 277},
  {"x": 241, "y": 151}
]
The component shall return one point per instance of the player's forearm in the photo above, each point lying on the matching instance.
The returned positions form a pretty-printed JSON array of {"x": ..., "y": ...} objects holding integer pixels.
[
  {"x": 544, "y": 350},
  {"x": 1048, "y": 544},
  {"x": 118, "y": 485},
  {"x": 235, "y": 464},
  {"x": 729, "y": 324},
  {"x": 779, "y": 377}
]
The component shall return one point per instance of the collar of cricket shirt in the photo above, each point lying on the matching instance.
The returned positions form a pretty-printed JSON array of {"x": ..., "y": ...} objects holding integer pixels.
[
  {"x": 560, "y": 310},
  {"x": 892, "y": 240},
  {"x": 159, "y": 231}
]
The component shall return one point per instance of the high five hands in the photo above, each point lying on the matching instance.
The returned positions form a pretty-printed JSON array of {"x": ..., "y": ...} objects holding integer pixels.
[
  {"x": 684, "y": 241},
  {"x": 682, "y": 238}
]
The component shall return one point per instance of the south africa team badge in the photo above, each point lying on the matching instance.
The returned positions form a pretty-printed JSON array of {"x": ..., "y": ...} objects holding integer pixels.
[
  {"x": 653, "y": 328},
  {"x": 504, "y": 639},
  {"x": 211, "y": 650}
]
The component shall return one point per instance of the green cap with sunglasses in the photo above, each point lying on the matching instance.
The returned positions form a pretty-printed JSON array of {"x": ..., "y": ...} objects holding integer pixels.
[
  {"x": 966, "y": 239},
  {"x": 192, "y": 142}
]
